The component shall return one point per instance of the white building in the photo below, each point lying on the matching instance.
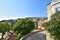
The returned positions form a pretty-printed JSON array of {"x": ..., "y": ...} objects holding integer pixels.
[{"x": 53, "y": 7}]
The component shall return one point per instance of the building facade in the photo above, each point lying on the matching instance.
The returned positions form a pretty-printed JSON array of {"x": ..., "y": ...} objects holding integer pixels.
[{"x": 53, "y": 7}]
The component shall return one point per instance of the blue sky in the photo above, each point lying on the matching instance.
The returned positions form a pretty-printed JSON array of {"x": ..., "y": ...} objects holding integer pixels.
[{"x": 10, "y": 9}]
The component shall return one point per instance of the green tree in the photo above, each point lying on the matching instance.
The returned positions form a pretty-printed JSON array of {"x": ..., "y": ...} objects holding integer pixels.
[
  {"x": 23, "y": 27},
  {"x": 4, "y": 27},
  {"x": 53, "y": 26}
]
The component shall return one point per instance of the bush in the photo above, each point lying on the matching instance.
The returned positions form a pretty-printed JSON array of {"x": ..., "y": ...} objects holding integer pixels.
[{"x": 53, "y": 26}]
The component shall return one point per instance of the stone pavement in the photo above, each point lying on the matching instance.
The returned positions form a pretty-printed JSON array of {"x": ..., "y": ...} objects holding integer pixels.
[{"x": 38, "y": 35}]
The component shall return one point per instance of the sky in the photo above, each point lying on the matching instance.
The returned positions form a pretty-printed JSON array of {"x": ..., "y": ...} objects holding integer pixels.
[{"x": 12, "y": 9}]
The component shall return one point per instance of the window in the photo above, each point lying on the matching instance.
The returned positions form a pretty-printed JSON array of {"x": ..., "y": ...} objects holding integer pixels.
[{"x": 58, "y": 9}]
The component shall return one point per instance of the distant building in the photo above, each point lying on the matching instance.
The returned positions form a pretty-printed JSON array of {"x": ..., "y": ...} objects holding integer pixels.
[
  {"x": 53, "y": 7},
  {"x": 41, "y": 21}
]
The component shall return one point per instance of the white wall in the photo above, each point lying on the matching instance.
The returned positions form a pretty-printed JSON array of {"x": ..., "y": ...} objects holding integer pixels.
[{"x": 51, "y": 9}]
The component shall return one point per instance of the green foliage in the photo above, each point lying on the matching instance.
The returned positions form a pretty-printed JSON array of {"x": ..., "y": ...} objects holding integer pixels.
[
  {"x": 4, "y": 26},
  {"x": 23, "y": 26},
  {"x": 53, "y": 26},
  {"x": 18, "y": 36}
]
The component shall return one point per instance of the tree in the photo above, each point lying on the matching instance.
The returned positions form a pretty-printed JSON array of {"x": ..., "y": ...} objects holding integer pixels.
[
  {"x": 4, "y": 27},
  {"x": 53, "y": 26},
  {"x": 23, "y": 27}
]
